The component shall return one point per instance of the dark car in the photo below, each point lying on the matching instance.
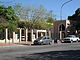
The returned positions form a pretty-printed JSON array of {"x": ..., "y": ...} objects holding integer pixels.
[{"x": 43, "y": 40}]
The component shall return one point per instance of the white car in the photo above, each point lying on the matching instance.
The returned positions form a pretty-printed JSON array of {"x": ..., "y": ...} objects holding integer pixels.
[{"x": 71, "y": 38}]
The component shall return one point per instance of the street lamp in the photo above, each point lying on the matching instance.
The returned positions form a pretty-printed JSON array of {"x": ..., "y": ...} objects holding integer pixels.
[{"x": 61, "y": 16}]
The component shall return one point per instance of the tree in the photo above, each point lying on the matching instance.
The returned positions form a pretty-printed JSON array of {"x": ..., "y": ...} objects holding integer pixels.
[
  {"x": 7, "y": 16},
  {"x": 75, "y": 20},
  {"x": 25, "y": 24},
  {"x": 21, "y": 11},
  {"x": 12, "y": 26},
  {"x": 50, "y": 20},
  {"x": 38, "y": 16},
  {"x": 39, "y": 24}
]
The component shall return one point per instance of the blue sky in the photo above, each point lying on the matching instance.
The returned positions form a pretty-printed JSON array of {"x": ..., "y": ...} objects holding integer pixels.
[{"x": 54, "y": 5}]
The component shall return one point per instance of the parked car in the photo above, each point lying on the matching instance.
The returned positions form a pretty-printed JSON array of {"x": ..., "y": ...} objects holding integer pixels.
[
  {"x": 71, "y": 38},
  {"x": 43, "y": 40}
]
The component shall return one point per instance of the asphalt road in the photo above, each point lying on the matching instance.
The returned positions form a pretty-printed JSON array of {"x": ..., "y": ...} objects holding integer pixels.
[{"x": 63, "y": 51}]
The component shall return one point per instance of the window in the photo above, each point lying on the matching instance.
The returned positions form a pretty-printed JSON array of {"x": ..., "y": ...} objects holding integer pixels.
[
  {"x": 44, "y": 38},
  {"x": 48, "y": 37}
]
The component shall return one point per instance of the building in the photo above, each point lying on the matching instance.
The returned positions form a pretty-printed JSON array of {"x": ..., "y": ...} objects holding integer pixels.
[
  {"x": 61, "y": 28},
  {"x": 22, "y": 35}
]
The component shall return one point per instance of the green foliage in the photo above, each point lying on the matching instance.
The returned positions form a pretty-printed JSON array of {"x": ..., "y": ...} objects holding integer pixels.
[
  {"x": 34, "y": 24},
  {"x": 50, "y": 20},
  {"x": 39, "y": 24},
  {"x": 75, "y": 19},
  {"x": 12, "y": 26},
  {"x": 29, "y": 24},
  {"x": 21, "y": 24},
  {"x": 38, "y": 17},
  {"x": 8, "y": 18},
  {"x": 2, "y": 26},
  {"x": 76, "y": 16},
  {"x": 25, "y": 24},
  {"x": 8, "y": 13}
]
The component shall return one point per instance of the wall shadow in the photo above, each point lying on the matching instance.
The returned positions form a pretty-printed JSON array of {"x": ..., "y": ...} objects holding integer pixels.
[{"x": 53, "y": 55}]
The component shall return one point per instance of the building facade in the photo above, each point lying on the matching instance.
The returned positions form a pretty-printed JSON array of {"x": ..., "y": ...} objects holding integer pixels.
[
  {"x": 22, "y": 35},
  {"x": 61, "y": 28}
]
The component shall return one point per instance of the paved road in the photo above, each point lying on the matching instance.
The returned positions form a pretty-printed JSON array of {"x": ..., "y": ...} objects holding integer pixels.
[{"x": 64, "y": 51}]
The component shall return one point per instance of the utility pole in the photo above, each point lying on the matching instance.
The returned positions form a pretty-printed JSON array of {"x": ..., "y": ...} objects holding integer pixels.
[{"x": 61, "y": 16}]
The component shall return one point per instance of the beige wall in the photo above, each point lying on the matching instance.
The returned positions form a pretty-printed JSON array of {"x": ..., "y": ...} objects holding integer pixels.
[{"x": 2, "y": 41}]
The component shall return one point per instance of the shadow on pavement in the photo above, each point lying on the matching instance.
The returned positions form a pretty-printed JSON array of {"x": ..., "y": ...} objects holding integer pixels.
[{"x": 53, "y": 55}]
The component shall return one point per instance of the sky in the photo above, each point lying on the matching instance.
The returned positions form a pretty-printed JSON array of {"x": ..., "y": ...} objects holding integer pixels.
[{"x": 54, "y": 5}]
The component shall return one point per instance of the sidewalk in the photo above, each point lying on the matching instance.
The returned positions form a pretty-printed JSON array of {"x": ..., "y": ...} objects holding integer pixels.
[
  {"x": 15, "y": 44},
  {"x": 3, "y": 44}
]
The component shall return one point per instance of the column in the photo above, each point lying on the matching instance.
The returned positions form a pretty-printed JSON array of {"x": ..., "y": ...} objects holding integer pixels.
[
  {"x": 36, "y": 34},
  {"x": 6, "y": 37},
  {"x": 20, "y": 35},
  {"x": 50, "y": 33},
  {"x": 41, "y": 34},
  {"x": 60, "y": 34},
  {"x": 45, "y": 33},
  {"x": 32, "y": 35},
  {"x": 26, "y": 35},
  {"x": 13, "y": 37}
]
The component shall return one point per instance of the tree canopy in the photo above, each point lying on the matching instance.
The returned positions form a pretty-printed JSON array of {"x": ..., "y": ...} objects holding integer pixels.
[
  {"x": 7, "y": 17},
  {"x": 38, "y": 17},
  {"x": 76, "y": 16},
  {"x": 75, "y": 19}
]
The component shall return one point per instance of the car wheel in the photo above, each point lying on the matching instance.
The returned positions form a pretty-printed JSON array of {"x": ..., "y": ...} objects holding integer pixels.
[
  {"x": 50, "y": 43},
  {"x": 41, "y": 43},
  {"x": 77, "y": 40}
]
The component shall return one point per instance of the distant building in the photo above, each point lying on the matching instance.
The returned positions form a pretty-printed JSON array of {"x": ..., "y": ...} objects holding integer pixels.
[{"x": 61, "y": 28}]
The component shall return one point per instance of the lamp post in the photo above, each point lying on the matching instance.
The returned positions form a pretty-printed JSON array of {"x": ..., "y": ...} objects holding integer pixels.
[{"x": 61, "y": 16}]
